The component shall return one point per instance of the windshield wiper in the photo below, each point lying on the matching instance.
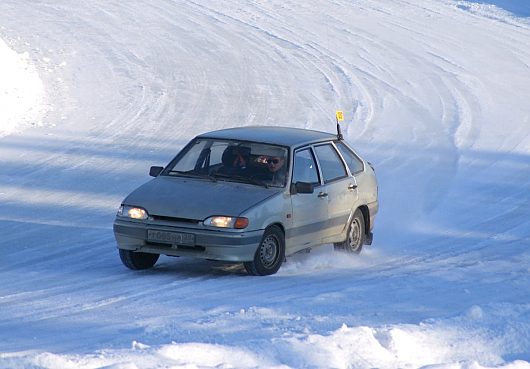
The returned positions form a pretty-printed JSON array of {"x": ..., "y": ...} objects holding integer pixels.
[
  {"x": 243, "y": 179},
  {"x": 191, "y": 175}
]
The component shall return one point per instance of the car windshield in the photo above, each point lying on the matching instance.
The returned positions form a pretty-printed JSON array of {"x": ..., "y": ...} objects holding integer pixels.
[{"x": 230, "y": 160}]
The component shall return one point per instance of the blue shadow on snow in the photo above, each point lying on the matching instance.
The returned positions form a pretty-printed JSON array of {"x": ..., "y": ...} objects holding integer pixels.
[{"x": 520, "y": 8}]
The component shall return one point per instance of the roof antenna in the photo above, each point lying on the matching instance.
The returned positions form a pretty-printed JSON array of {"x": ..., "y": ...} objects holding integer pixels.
[{"x": 339, "y": 115}]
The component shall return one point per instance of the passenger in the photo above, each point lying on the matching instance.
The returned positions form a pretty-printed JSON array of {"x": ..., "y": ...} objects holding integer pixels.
[{"x": 277, "y": 172}]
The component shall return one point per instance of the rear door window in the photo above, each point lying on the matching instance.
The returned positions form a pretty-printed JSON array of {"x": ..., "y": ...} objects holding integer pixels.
[{"x": 330, "y": 163}]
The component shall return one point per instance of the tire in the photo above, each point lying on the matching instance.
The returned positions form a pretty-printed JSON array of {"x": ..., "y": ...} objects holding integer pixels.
[
  {"x": 270, "y": 253},
  {"x": 356, "y": 235},
  {"x": 138, "y": 260}
]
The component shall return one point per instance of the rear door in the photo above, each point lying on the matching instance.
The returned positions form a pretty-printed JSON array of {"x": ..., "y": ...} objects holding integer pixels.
[
  {"x": 310, "y": 210},
  {"x": 339, "y": 187}
]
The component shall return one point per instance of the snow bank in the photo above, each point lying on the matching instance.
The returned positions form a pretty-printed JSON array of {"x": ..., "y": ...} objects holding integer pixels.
[
  {"x": 21, "y": 91},
  {"x": 482, "y": 337},
  {"x": 455, "y": 343}
]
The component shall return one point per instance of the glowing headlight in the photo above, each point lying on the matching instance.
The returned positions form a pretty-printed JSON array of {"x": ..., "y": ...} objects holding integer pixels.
[
  {"x": 226, "y": 222},
  {"x": 133, "y": 212}
]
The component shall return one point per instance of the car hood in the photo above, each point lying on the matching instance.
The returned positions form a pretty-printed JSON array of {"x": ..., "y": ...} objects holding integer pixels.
[{"x": 197, "y": 199}]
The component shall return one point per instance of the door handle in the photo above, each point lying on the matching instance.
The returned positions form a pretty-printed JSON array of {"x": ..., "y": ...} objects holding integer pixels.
[
  {"x": 322, "y": 194},
  {"x": 352, "y": 187}
]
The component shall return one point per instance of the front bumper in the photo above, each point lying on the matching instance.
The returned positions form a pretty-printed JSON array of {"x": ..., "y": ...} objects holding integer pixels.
[{"x": 222, "y": 245}]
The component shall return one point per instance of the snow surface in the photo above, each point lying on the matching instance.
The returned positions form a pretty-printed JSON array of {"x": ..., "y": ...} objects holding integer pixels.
[
  {"x": 436, "y": 95},
  {"x": 21, "y": 91}
]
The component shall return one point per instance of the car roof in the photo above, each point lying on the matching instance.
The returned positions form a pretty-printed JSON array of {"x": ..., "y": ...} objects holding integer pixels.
[{"x": 284, "y": 136}]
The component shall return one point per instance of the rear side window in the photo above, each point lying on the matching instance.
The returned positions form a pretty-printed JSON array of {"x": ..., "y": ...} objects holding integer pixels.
[
  {"x": 354, "y": 163},
  {"x": 305, "y": 169},
  {"x": 330, "y": 163}
]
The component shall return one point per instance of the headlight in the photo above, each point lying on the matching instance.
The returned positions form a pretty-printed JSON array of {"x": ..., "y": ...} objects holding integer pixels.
[
  {"x": 132, "y": 212},
  {"x": 226, "y": 222}
]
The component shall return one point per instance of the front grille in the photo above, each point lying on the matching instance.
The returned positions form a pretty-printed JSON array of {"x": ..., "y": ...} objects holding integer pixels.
[{"x": 175, "y": 220}]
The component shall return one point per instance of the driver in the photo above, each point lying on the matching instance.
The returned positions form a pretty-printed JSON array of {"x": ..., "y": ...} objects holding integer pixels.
[{"x": 235, "y": 160}]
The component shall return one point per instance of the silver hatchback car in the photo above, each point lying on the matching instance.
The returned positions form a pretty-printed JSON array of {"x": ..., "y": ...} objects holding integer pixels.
[{"x": 253, "y": 195}]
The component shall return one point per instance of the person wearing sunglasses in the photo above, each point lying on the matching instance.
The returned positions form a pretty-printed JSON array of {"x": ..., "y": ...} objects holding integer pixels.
[{"x": 276, "y": 167}]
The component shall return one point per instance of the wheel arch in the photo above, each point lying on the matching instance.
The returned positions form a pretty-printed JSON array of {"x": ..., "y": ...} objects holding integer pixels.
[
  {"x": 366, "y": 215},
  {"x": 279, "y": 225},
  {"x": 367, "y": 226}
]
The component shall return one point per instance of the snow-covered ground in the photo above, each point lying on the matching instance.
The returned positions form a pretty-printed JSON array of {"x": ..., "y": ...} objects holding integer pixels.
[
  {"x": 21, "y": 91},
  {"x": 436, "y": 94}
]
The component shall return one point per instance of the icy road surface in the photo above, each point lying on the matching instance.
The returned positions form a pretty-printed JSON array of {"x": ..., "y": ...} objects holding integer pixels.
[{"x": 436, "y": 94}]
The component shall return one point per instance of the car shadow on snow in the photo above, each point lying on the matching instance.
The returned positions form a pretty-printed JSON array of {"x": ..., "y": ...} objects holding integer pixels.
[
  {"x": 319, "y": 260},
  {"x": 189, "y": 267}
]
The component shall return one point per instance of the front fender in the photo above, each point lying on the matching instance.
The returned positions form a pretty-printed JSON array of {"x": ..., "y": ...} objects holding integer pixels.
[{"x": 275, "y": 209}]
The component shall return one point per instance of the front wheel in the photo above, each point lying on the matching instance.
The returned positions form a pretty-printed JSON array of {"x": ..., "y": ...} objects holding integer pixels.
[
  {"x": 356, "y": 235},
  {"x": 270, "y": 253},
  {"x": 138, "y": 260}
]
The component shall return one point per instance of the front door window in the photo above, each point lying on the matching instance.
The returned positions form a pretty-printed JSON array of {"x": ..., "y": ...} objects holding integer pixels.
[{"x": 305, "y": 169}]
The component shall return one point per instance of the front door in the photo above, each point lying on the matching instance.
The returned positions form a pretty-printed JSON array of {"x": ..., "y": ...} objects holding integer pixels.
[{"x": 310, "y": 210}]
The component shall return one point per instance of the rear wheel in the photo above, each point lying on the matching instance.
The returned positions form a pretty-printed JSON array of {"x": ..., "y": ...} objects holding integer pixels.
[
  {"x": 270, "y": 253},
  {"x": 138, "y": 260},
  {"x": 355, "y": 237}
]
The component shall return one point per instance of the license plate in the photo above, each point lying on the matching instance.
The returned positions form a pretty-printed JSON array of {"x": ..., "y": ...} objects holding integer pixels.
[{"x": 174, "y": 238}]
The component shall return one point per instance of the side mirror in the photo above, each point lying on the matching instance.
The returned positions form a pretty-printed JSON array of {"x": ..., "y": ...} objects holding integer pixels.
[
  {"x": 302, "y": 187},
  {"x": 155, "y": 171}
]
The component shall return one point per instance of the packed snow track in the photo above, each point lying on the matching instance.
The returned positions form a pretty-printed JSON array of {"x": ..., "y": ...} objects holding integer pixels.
[{"x": 436, "y": 95}]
